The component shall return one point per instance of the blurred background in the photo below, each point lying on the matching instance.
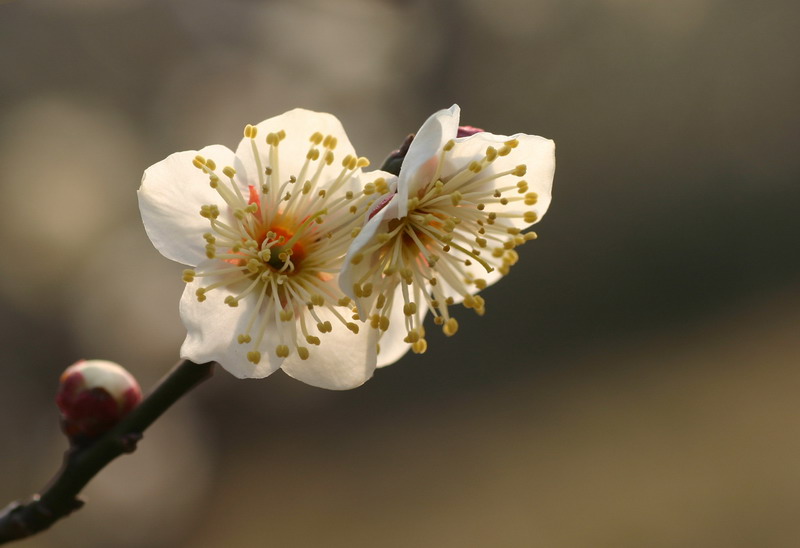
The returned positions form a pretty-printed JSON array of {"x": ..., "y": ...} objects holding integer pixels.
[{"x": 635, "y": 379}]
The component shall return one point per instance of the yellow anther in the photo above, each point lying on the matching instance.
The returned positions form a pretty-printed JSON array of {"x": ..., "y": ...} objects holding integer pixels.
[
  {"x": 211, "y": 164},
  {"x": 362, "y": 162},
  {"x": 381, "y": 301},
  {"x": 281, "y": 135},
  {"x": 357, "y": 258},
  {"x": 311, "y": 339},
  {"x": 531, "y": 198},
  {"x": 530, "y": 236},
  {"x": 329, "y": 157},
  {"x": 419, "y": 347},
  {"x": 475, "y": 166},
  {"x": 250, "y": 131},
  {"x": 455, "y": 198},
  {"x": 273, "y": 139},
  {"x": 511, "y": 257},
  {"x": 450, "y": 327},
  {"x": 413, "y": 203},
  {"x": 282, "y": 351},
  {"x": 449, "y": 145},
  {"x": 302, "y": 351},
  {"x": 317, "y": 300},
  {"x": 352, "y": 327},
  {"x": 344, "y": 301},
  {"x": 243, "y": 338},
  {"x": 254, "y": 356},
  {"x": 520, "y": 170},
  {"x": 480, "y": 283},
  {"x": 231, "y": 301},
  {"x": 530, "y": 217},
  {"x": 366, "y": 290},
  {"x": 312, "y": 154},
  {"x": 316, "y": 138},
  {"x": 491, "y": 153},
  {"x": 369, "y": 188},
  {"x": 438, "y": 320},
  {"x": 188, "y": 275},
  {"x": 504, "y": 151},
  {"x": 384, "y": 323},
  {"x": 286, "y": 315},
  {"x": 409, "y": 309},
  {"x": 513, "y": 143}
]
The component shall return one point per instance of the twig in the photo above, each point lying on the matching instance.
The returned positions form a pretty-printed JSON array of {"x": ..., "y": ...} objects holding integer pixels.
[{"x": 81, "y": 464}]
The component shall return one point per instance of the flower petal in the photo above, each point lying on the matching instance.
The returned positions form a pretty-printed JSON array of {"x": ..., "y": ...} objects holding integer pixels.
[
  {"x": 299, "y": 125},
  {"x": 536, "y": 153},
  {"x": 170, "y": 197},
  {"x": 343, "y": 360},
  {"x": 420, "y": 162},
  {"x": 351, "y": 273},
  {"x": 212, "y": 329}
]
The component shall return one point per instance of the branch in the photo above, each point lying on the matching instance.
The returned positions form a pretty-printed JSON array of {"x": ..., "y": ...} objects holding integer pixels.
[{"x": 81, "y": 464}]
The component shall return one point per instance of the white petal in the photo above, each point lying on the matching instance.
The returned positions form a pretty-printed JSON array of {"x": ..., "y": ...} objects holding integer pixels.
[
  {"x": 170, "y": 197},
  {"x": 299, "y": 125},
  {"x": 343, "y": 360},
  {"x": 420, "y": 162},
  {"x": 392, "y": 345},
  {"x": 212, "y": 327},
  {"x": 536, "y": 153},
  {"x": 351, "y": 273}
]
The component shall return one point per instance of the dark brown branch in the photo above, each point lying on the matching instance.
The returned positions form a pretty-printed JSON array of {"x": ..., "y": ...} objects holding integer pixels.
[{"x": 81, "y": 464}]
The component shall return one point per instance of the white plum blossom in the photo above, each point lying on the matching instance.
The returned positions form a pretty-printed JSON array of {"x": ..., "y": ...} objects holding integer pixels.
[
  {"x": 266, "y": 228},
  {"x": 447, "y": 229}
]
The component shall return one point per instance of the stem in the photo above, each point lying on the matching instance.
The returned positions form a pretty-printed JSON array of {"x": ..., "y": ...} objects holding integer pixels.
[{"x": 81, "y": 464}]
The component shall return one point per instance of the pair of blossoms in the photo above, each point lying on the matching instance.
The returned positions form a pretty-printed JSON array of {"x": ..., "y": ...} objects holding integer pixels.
[{"x": 304, "y": 262}]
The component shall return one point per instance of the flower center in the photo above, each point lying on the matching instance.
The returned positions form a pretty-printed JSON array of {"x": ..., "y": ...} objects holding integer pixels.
[{"x": 279, "y": 246}]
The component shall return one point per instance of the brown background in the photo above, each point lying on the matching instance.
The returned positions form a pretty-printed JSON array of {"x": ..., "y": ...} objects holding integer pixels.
[{"x": 635, "y": 380}]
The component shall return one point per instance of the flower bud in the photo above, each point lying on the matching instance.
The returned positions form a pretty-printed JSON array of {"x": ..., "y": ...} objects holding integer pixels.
[
  {"x": 93, "y": 396},
  {"x": 394, "y": 161},
  {"x": 468, "y": 131}
]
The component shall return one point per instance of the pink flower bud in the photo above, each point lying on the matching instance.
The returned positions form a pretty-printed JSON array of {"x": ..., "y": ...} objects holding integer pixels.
[
  {"x": 93, "y": 396},
  {"x": 467, "y": 131}
]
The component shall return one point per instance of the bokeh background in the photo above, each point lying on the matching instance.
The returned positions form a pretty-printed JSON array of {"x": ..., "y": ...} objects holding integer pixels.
[{"x": 635, "y": 380}]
